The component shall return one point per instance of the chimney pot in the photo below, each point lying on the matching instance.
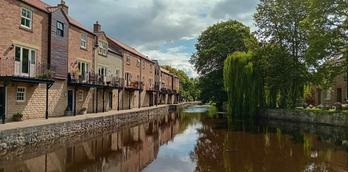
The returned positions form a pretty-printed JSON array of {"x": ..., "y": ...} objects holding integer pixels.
[
  {"x": 97, "y": 27},
  {"x": 64, "y": 7}
]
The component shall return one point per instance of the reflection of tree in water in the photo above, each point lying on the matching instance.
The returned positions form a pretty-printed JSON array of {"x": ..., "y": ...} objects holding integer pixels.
[{"x": 261, "y": 149}]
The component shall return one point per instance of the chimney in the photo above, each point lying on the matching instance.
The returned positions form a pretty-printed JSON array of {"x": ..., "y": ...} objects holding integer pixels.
[
  {"x": 96, "y": 27},
  {"x": 64, "y": 7}
]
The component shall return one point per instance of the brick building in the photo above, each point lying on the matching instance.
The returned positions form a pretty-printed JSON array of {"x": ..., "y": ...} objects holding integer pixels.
[
  {"x": 51, "y": 65},
  {"x": 336, "y": 93},
  {"x": 24, "y": 78}
]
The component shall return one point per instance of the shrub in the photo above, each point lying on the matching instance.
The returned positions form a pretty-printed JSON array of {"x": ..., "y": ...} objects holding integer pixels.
[{"x": 17, "y": 116}]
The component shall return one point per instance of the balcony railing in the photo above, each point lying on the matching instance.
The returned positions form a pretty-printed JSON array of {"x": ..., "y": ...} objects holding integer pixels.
[
  {"x": 95, "y": 79},
  {"x": 134, "y": 84},
  {"x": 28, "y": 69}
]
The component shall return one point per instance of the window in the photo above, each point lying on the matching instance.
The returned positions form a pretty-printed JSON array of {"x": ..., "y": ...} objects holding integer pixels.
[
  {"x": 103, "y": 48},
  {"x": 83, "y": 70},
  {"x": 26, "y": 18},
  {"x": 143, "y": 65},
  {"x": 25, "y": 60},
  {"x": 60, "y": 29},
  {"x": 21, "y": 93},
  {"x": 102, "y": 70},
  {"x": 151, "y": 68},
  {"x": 128, "y": 60},
  {"x": 83, "y": 41},
  {"x": 138, "y": 63},
  {"x": 80, "y": 96}
]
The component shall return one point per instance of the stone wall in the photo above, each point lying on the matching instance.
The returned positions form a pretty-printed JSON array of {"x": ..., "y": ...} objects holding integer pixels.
[
  {"x": 18, "y": 137},
  {"x": 336, "y": 119}
]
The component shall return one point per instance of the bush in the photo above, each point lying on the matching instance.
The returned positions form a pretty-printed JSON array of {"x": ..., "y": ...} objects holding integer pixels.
[{"x": 17, "y": 116}]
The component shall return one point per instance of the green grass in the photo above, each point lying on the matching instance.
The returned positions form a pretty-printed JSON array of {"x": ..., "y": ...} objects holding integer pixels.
[{"x": 321, "y": 111}]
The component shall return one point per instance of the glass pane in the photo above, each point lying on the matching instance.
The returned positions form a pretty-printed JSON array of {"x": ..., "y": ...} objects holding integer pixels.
[
  {"x": 25, "y": 60},
  {"x": 18, "y": 54},
  {"x": 23, "y": 21},
  {"x": 33, "y": 58}
]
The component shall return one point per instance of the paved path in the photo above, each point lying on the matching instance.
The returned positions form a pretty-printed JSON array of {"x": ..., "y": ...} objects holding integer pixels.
[{"x": 55, "y": 120}]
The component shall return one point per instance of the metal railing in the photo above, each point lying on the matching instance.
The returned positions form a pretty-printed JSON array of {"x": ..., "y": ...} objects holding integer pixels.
[
  {"x": 134, "y": 84},
  {"x": 96, "y": 79},
  {"x": 11, "y": 67}
]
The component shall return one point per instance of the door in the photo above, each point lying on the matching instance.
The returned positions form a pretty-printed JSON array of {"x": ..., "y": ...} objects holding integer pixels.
[
  {"x": 25, "y": 62},
  {"x": 2, "y": 102},
  {"x": 70, "y": 101},
  {"x": 339, "y": 95},
  {"x": 110, "y": 100}
]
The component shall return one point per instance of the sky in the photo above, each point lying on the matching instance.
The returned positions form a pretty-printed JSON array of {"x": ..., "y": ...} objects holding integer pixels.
[{"x": 165, "y": 30}]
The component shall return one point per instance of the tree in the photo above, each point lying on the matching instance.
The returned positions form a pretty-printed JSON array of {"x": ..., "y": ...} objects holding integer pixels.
[
  {"x": 241, "y": 84},
  {"x": 313, "y": 32},
  {"x": 213, "y": 47}
]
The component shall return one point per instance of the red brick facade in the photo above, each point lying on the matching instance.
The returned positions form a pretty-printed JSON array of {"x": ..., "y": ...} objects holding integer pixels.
[{"x": 62, "y": 57}]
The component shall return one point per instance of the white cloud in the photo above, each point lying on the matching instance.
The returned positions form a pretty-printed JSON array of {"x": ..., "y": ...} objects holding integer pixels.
[{"x": 150, "y": 24}]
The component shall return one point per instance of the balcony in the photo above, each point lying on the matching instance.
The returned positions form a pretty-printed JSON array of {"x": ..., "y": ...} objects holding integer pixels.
[
  {"x": 25, "y": 70},
  {"x": 135, "y": 85},
  {"x": 92, "y": 79}
]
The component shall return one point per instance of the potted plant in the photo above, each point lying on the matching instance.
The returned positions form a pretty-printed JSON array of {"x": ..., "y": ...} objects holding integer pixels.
[
  {"x": 17, "y": 116},
  {"x": 83, "y": 111}
]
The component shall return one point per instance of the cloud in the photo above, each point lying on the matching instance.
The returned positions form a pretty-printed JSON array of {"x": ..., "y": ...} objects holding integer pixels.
[{"x": 148, "y": 25}]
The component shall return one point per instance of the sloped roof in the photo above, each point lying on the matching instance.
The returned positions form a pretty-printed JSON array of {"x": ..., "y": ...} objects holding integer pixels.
[
  {"x": 37, "y": 4},
  {"x": 76, "y": 23},
  {"x": 128, "y": 48}
]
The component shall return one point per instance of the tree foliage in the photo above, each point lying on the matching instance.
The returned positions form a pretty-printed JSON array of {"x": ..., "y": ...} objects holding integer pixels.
[
  {"x": 241, "y": 84},
  {"x": 213, "y": 47}
]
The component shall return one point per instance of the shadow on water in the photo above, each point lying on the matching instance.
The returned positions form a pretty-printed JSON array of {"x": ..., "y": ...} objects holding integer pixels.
[{"x": 194, "y": 139}]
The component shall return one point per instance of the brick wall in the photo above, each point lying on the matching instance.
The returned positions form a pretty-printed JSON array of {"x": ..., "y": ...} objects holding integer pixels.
[
  {"x": 13, "y": 34},
  {"x": 78, "y": 53}
]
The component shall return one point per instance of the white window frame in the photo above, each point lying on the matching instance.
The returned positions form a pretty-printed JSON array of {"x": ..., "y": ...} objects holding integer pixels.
[
  {"x": 79, "y": 66},
  {"x": 102, "y": 68},
  {"x": 60, "y": 27},
  {"x": 103, "y": 48},
  {"x": 24, "y": 94},
  {"x": 31, "y": 59},
  {"x": 30, "y": 18},
  {"x": 83, "y": 40}
]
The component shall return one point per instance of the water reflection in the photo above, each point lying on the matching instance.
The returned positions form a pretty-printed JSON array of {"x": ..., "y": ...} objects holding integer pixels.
[
  {"x": 130, "y": 149},
  {"x": 193, "y": 141}
]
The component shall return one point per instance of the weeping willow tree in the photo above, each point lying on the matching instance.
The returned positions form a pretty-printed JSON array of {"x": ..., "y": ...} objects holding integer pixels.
[{"x": 241, "y": 84}]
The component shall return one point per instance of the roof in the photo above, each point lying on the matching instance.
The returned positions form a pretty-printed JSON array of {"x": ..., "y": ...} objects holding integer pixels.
[
  {"x": 37, "y": 4},
  {"x": 128, "y": 48},
  {"x": 74, "y": 22}
]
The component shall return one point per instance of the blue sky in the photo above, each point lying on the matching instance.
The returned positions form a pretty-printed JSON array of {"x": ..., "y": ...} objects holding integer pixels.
[{"x": 161, "y": 29}]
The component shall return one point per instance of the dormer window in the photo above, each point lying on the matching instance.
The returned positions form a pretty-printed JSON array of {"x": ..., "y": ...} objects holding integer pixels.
[
  {"x": 83, "y": 41},
  {"x": 26, "y": 18},
  {"x": 103, "y": 48},
  {"x": 60, "y": 29}
]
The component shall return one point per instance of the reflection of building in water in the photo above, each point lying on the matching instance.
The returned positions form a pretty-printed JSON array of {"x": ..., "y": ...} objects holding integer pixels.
[{"x": 129, "y": 150}]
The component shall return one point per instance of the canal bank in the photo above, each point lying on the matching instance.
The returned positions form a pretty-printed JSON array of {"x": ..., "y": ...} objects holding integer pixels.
[
  {"x": 13, "y": 135},
  {"x": 333, "y": 119}
]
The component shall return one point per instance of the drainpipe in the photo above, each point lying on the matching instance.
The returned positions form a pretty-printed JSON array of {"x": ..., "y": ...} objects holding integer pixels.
[
  {"x": 5, "y": 95},
  {"x": 47, "y": 87},
  {"x": 129, "y": 100},
  {"x": 118, "y": 99},
  {"x": 75, "y": 89},
  {"x": 103, "y": 99},
  {"x": 96, "y": 108}
]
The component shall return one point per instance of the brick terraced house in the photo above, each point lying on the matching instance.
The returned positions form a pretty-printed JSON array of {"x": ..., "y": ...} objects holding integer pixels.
[
  {"x": 24, "y": 59},
  {"x": 51, "y": 65}
]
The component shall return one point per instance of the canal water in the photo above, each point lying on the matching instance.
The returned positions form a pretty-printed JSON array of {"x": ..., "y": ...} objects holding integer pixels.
[{"x": 191, "y": 140}]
